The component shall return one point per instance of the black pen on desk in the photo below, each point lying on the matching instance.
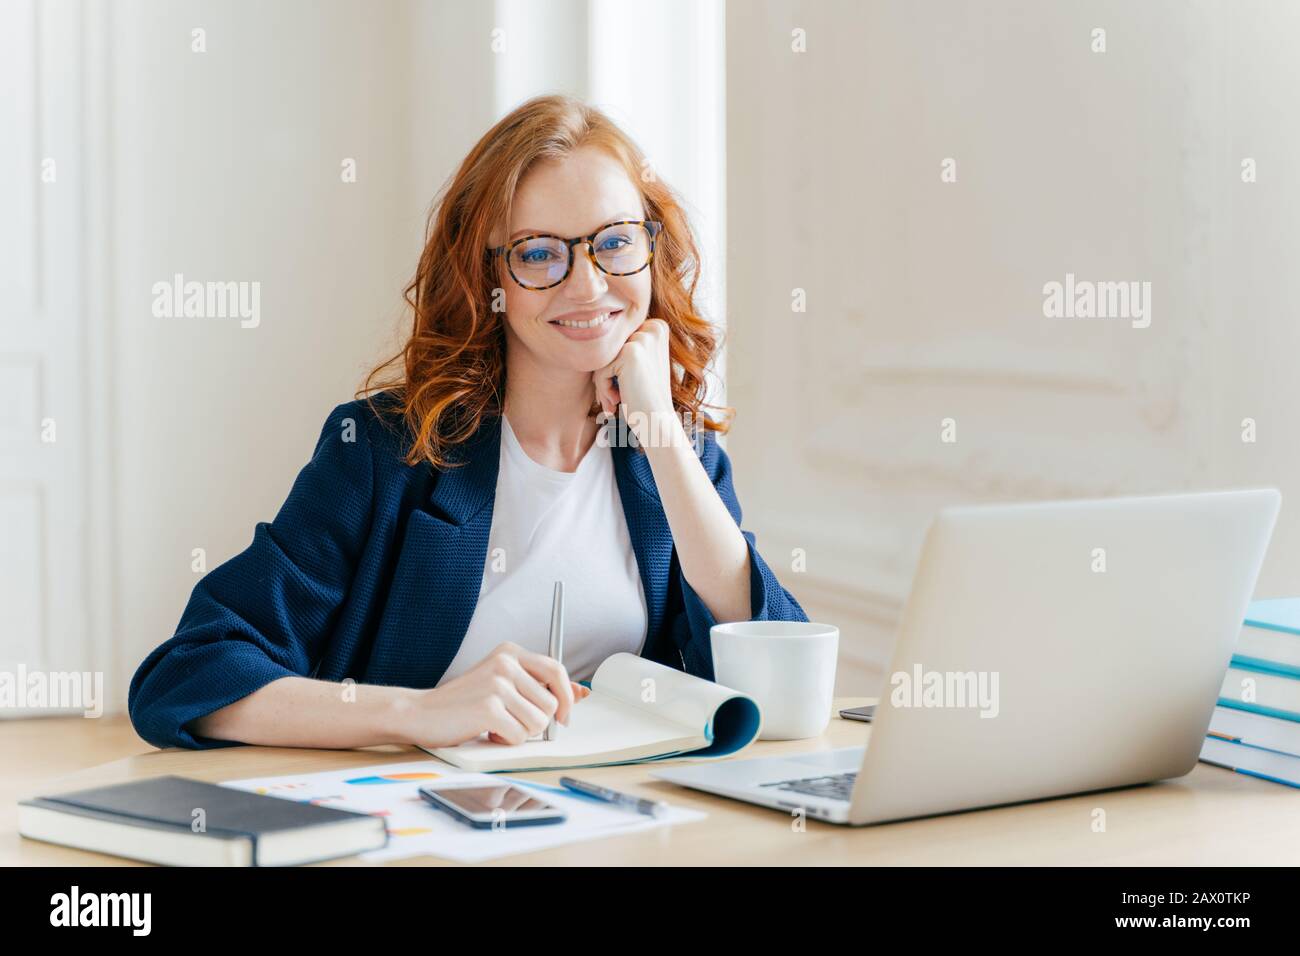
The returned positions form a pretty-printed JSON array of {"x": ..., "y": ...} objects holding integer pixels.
[
  {"x": 556, "y": 646},
  {"x": 651, "y": 808}
]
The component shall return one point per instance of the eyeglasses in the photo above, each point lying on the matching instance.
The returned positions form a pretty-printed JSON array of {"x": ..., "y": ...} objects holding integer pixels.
[{"x": 542, "y": 261}]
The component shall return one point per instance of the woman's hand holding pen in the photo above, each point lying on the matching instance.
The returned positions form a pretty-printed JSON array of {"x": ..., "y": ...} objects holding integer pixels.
[
  {"x": 511, "y": 695},
  {"x": 579, "y": 692}
]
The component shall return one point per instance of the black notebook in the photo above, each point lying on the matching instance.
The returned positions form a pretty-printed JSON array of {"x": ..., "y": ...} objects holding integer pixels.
[{"x": 181, "y": 822}]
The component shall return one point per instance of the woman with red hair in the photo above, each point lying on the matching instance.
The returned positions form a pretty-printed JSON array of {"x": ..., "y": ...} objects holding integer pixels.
[{"x": 543, "y": 422}]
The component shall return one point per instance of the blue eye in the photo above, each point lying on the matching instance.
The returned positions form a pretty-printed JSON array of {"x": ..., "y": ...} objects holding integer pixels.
[
  {"x": 534, "y": 257},
  {"x": 605, "y": 246}
]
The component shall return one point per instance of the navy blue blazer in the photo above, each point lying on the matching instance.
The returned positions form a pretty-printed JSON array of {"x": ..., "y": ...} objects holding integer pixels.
[{"x": 372, "y": 568}]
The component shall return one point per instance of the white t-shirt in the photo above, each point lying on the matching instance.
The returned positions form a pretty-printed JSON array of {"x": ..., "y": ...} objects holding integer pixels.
[{"x": 550, "y": 526}]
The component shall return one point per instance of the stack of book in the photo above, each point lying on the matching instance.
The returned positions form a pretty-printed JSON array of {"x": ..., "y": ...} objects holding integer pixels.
[{"x": 1255, "y": 729}]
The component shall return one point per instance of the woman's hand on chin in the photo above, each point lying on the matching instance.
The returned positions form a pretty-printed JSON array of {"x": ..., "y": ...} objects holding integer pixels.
[{"x": 644, "y": 372}]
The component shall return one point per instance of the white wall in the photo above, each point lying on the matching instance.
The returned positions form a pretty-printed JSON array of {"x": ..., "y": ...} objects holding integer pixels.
[
  {"x": 226, "y": 165},
  {"x": 924, "y": 298}
]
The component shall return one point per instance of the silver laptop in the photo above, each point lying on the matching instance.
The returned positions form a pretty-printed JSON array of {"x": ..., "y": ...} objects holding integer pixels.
[{"x": 1046, "y": 649}]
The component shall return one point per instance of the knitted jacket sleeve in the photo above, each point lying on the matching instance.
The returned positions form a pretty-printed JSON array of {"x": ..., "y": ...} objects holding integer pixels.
[
  {"x": 768, "y": 600},
  {"x": 267, "y": 612}
]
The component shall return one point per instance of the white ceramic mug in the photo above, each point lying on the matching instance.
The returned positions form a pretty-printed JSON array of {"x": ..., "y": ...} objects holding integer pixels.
[{"x": 788, "y": 667}]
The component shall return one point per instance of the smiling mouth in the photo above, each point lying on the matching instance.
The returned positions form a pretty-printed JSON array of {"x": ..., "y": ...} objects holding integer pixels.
[{"x": 588, "y": 323}]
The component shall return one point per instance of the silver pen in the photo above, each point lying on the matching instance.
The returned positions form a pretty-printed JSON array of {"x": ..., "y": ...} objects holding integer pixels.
[
  {"x": 651, "y": 808},
  {"x": 556, "y": 647}
]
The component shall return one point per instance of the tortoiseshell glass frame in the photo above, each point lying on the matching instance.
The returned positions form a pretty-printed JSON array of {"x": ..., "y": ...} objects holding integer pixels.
[{"x": 652, "y": 226}]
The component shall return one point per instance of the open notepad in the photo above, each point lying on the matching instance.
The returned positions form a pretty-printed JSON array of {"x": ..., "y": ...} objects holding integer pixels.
[{"x": 637, "y": 710}]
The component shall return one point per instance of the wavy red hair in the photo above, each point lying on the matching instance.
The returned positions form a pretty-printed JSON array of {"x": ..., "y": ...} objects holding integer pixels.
[{"x": 450, "y": 374}]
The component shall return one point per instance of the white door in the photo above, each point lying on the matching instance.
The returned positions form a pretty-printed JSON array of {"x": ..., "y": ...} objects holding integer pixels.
[{"x": 46, "y": 439}]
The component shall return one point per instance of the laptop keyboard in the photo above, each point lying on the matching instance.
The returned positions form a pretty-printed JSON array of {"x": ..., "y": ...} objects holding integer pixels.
[{"x": 837, "y": 786}]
